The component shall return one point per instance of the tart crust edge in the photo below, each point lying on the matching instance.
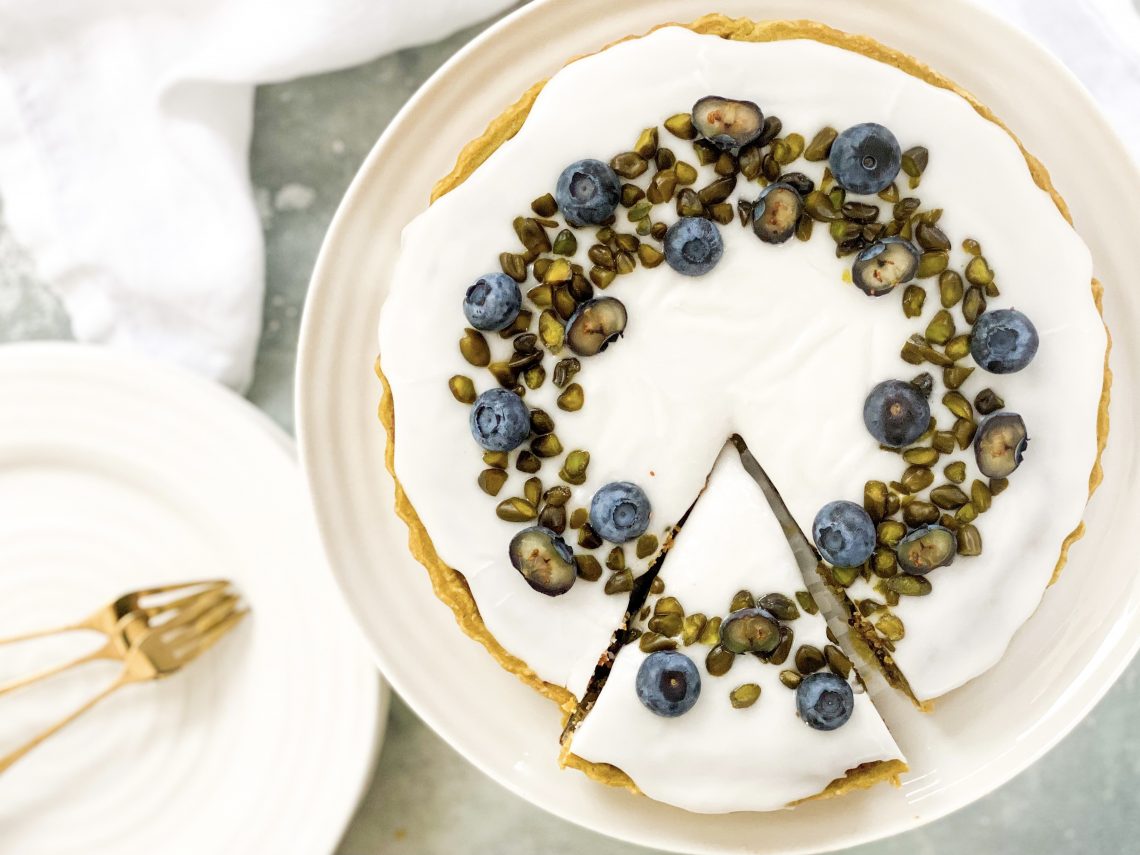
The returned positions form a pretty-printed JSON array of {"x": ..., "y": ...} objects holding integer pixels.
[{"x": 448, "y": 584}]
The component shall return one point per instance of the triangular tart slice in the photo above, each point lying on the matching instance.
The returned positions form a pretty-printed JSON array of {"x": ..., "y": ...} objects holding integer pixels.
[{"x": 785, "y": 721}]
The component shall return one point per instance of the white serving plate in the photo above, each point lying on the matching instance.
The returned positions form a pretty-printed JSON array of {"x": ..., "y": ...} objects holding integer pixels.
[
  {"x": 118, "y": 474},
  {"x": 980, "y": 736}
]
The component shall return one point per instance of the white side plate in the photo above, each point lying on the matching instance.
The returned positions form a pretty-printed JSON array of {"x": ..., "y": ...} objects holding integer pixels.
[{"x": 117, "y": 474}]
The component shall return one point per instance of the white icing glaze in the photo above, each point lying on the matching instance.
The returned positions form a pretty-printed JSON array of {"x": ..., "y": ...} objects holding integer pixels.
[
  {"x": 772, "y": 345},
  {"x": 716, "y": 759}
]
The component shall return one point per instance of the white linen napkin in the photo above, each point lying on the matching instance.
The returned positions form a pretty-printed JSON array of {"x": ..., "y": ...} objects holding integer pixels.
[
  {"x": 125, "y": 126},
  {"x": 124, "y": 138}
]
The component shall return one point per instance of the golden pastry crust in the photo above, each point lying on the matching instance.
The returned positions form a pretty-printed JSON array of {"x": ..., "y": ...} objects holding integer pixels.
[
  {"x": 1097, "y": 473},
  {"x": 449, "y": 584},
  {"x": 603, "y": 773},
  {"x": 862, "y": 777}
]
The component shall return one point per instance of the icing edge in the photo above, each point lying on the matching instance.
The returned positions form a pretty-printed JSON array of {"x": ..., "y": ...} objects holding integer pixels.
[
  {"x": 862, "y": 777},
  {"x": 506, "y": 124}
]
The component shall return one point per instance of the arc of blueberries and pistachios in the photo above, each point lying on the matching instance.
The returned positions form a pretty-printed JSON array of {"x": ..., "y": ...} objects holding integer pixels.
[{"x": 892, "y": 539}]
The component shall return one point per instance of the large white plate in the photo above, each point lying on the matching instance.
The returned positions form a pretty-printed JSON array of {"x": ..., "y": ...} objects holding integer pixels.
[
  {"x": 1059, "y": 665},
  {"x": 117, "y": 474}
]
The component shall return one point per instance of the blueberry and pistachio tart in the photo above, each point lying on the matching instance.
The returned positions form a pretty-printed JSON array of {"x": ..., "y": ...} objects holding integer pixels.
[{"x": 588, "y": 310}]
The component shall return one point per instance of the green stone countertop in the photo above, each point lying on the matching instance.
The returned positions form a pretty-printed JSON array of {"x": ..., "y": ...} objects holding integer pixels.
[{"x": 310, "y": 137}]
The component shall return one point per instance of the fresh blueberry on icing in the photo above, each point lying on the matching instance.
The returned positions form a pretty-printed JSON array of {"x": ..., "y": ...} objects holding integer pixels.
[
  {"x": 544, "y": 560},
  {"x": 1003, "y": 341},
  {"x": 844, "y": 534},
  {"x": 620, "y": 512},
  {"x": 493, "y": 302},
  {"x": 1000, "y": 444},
  {"x": 926, "y": 548},
  {"x": 825, "y": 700},
  {"x": 587, "y": 192},
  {"x": 865, "y": 158},
  {"x": 500, "y": 421},
  {"x": 668, "y": 683},
  {"x": 726, "y": 122},
  {"x": 693, "y": 246},
  {"x": 896, "y": 413},
  {"x": 776, "y": 212},
  {"x": 883, "y": 265}
]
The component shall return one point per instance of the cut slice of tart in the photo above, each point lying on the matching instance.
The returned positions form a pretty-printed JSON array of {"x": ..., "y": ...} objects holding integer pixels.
[{"x": 686, "y": 720}]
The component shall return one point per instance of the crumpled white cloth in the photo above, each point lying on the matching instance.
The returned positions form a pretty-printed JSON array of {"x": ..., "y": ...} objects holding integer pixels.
[
  {"x": 124, "y": 142},
  {"x": 125, "y": 126}
]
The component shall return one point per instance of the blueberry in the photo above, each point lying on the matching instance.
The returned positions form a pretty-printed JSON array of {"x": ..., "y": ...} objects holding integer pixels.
[
  {"x": 926, "y": 549},
  {"x": 620, "y": 511},
  {"x": 776, "y": 212},
  {"x": 896, "y": 413},
  {"x": 595, "y": 325},
  {"x": 493, "y": 302},
  {"x": 825, "y": 700},
  {"x": 500, "y": 421},
  {"x": 727, "y": 122},
  {"x": 1000, "y": 444},
  {"x": 668, "y": 683},
  {"x": 865, "y": 158},
  {"x": 753, "y": 630},
  {"x": 544, "y": 560},
  {"x": 1004, "y": 341},
  {"x": 587, "y": 192},
  {"x": 693, "y": 246},
  {"x": 883, "y": 265},
  {"x": 844, "y": 534}
]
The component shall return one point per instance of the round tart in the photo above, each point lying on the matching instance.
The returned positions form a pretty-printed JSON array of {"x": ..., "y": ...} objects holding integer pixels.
[{"x": 872, "y": 284}]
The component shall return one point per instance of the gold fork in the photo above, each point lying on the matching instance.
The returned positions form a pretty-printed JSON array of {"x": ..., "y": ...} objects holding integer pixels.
[
  {"x": 120, "y": 621},
  {"x": 155, "y": 653}
]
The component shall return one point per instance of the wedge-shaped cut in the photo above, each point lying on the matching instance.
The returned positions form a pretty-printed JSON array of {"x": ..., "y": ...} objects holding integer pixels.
[{"x": 717, "y": 758}]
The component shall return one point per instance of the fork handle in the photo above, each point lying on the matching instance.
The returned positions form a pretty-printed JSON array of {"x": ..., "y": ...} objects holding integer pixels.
[
  {"x": 44, "y": 633},
  {"x": 107, "y": 651},
  {"x": 7, "y": 761}
]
